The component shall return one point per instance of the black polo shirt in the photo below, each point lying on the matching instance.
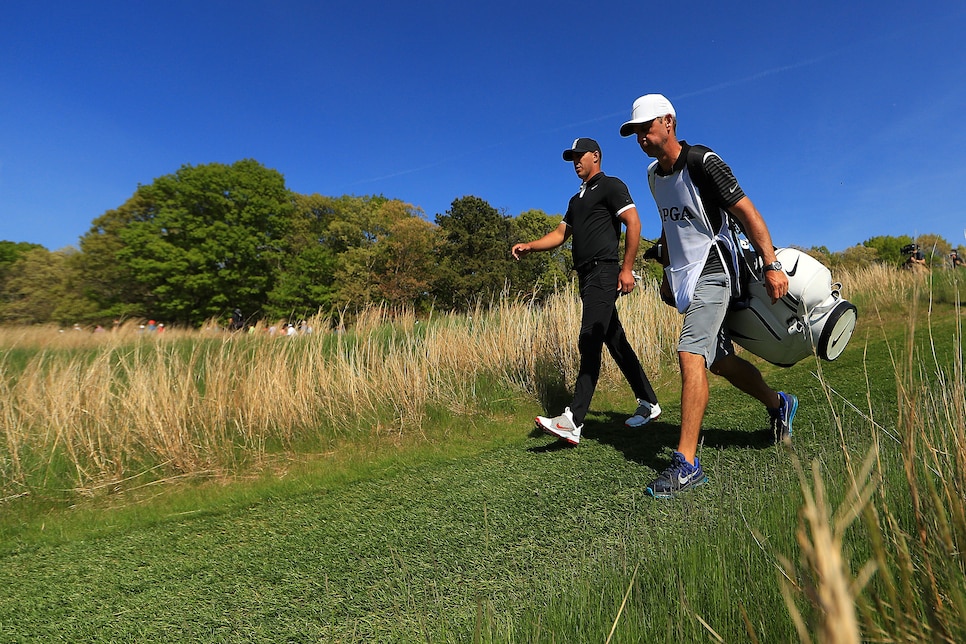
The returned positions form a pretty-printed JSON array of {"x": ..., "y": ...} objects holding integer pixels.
[{"x": 593, "y": 219}]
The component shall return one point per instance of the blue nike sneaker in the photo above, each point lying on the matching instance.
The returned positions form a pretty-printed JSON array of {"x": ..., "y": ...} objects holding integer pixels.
[
  {"x": 781, "y": 418},
  {"x": 678, "y": 477}
]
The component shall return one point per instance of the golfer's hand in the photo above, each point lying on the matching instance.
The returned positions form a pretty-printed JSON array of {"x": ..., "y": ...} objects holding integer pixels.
[
  {"x": 520, "y": 250},
  {"x": 776, "y": 285},
  {"x": 625, "y": 281}
]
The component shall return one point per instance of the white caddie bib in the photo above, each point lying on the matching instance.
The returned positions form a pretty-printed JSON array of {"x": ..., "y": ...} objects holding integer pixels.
[{"x": 687, "y": 229}]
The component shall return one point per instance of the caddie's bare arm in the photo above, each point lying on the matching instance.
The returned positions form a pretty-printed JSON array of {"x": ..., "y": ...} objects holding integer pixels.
[
  {"x": 776, "y": 282},
  {"x": 632, "y": 239},
  {"x": 551, "y": 240}
]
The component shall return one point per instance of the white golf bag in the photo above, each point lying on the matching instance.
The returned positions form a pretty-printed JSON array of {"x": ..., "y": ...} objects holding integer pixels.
[{"x": 811, "y": 318}]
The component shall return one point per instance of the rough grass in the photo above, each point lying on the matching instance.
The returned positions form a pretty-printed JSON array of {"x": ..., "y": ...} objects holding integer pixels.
[
  {"x": 477, "y": 529},
  {"x": 83, "y": 413}
]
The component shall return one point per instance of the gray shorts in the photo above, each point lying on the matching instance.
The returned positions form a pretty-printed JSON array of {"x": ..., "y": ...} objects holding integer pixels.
[{"x": 704, "y": 332}]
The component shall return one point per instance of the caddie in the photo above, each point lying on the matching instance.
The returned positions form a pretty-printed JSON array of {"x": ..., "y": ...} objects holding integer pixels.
[{"x": 697, "y": 256}]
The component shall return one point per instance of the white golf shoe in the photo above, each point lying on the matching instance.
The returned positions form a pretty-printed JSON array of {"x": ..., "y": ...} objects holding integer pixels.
[
  {"x": 562, "y": 426},
  {"x": 646, "y": 412}
]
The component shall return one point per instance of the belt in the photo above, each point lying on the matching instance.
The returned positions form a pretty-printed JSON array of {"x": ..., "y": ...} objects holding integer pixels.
[{"x": 589, "y": 264}]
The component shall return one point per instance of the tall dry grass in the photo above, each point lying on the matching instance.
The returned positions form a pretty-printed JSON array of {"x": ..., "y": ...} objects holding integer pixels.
[
  {"x": 87, "y": 412},
  {"x": 881, "y": 287},
  {"x": 913, "y": 587}
]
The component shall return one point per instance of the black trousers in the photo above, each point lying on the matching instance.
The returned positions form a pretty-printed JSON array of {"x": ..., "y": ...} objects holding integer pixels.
[{"x": 599, "y": 326}]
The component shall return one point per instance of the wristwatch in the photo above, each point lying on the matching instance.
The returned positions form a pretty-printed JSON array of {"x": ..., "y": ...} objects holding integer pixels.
[{"x": 774, "y": 266}]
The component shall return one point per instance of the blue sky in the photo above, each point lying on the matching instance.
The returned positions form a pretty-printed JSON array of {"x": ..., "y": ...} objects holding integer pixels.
[{"x": 841, "y": 120}]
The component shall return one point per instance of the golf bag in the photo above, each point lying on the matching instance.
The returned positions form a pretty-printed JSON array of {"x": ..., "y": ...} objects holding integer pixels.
[{"x": 811, "y": 318}]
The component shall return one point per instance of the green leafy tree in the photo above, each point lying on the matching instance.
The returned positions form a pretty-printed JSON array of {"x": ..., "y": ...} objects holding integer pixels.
[
  {"x": 371, "y": 266},
  {"x": 650, "y": 269},
  {"x": 356, "y": 222},
  {"x": 538, "y": 274},
  {"x": 935, "y": 248},
  {"x": 40, "y": 289},
  {"x": 10, "y": 252},
  {"x": 889, "y": 249},
  {"x": 111, "y": 286},
  {"x": 195, "y": 244},
  {"x": 854, "y": 257},
  {"x": 405, "y": 265},
  {"x": 354, "y": 232},
  {"x": 304, "y": 276},
  {"x": 821, "y": 253},
  {"x": 474, "y": 260}
]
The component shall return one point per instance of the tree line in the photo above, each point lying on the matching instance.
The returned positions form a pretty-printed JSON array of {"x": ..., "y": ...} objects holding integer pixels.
[
  {"x": 199, "y": 243},
  {"x": 209, "y": 239}
]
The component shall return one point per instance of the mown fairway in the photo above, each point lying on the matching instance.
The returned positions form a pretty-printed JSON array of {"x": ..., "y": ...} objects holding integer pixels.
[
  {"x": 482, "y": 530},
  {"x": 521, "y": 533}
]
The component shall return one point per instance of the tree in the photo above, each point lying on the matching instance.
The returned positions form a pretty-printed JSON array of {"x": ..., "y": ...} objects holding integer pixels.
[
  {"x": 935, "y": 248},
  {"x": 854, "y": 257},
  {"x": 889, "y": 249},
  {"x": 108, "y": 284},
  {"x": 473, "y": 253},
  {"x": 10, "y": 252},
  {"x": 539, "y": 274},
  {"x": 304, "y": 276},
  {"x": 405, "y": 265},
  {"x": 385, "y": 253},
  {"x": 35, "y": 286},
  {"x": 650, "y": 269},
  {"x": 355, "y": 230},
  {"x": 196, "y": 243}
]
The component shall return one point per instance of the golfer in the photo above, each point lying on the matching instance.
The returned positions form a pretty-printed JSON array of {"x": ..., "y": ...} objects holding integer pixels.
[{"x": 593, "y": 220}]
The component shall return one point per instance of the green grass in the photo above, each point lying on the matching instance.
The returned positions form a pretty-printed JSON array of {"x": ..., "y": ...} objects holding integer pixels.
[{"x": 481, "y": 530}]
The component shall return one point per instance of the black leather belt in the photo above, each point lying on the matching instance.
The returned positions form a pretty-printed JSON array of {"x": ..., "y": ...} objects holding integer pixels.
[{"x": 586, "y": 266}]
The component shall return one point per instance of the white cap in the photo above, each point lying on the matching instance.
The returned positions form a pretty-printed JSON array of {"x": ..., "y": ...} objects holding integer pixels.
[{"x": 647, "y": 108}]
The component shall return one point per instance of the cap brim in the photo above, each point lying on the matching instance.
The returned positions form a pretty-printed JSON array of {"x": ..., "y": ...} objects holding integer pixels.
[
  {"x": 628, "y": 128},
  {"x": 568, "y": 155}
]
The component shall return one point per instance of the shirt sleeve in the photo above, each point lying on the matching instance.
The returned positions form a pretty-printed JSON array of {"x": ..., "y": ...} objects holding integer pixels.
[
  {"x": 729, "y": 192},
  {"x": 619, "y": 197}
]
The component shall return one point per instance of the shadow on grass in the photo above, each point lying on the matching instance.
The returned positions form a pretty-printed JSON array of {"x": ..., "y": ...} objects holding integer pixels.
[
  {"x": 648, "y": 445},
  {"x": 552, "y": 391}
]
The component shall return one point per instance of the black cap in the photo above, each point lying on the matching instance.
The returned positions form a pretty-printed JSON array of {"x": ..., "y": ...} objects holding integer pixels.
[{"x": 579, "y": 147}]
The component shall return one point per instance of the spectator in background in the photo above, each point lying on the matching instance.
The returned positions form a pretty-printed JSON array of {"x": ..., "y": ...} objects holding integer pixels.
[{"x": 917, "y": 259}]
